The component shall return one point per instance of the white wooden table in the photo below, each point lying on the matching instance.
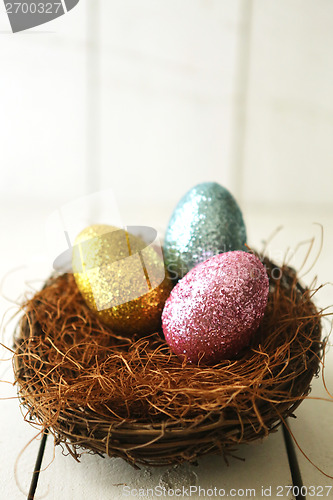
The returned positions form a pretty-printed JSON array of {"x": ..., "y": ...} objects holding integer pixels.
[{"x": 266, "y": 463}]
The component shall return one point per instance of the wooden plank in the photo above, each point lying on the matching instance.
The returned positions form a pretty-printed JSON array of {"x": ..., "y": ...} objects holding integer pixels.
[
  {"x": 167, "y": 93},
  {"x": 290, "y": 103},
  {"x": 314, "y": 434},
  {"x": 265, "y": 466}
]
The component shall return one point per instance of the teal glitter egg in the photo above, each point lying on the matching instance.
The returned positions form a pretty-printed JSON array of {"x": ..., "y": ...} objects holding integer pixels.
[{"x": 207, "y": 221}]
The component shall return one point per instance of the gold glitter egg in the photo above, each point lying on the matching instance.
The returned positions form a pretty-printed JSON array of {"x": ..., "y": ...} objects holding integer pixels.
[{"x": 121, "y": 278}]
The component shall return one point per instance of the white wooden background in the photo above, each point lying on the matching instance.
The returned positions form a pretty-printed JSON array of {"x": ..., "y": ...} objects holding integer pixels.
[{"x": 148, "y": 98}]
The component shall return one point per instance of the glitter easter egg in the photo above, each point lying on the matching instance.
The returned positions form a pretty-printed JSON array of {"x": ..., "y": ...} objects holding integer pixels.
[
  {"x": 213, "y": 312},
  {"x": 121, "y": 278},
  {"x": 207, "y": 221}
]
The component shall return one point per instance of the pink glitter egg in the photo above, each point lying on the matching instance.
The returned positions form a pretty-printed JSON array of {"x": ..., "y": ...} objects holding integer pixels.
[{"x": 213, "y": 312}]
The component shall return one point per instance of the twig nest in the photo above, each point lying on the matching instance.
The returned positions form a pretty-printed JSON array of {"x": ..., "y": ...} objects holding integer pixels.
[{"x": 134, "y": 398}]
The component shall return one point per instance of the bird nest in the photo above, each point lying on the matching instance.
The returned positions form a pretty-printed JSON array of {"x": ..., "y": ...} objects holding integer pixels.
[{"x": 133, "y": 398}]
